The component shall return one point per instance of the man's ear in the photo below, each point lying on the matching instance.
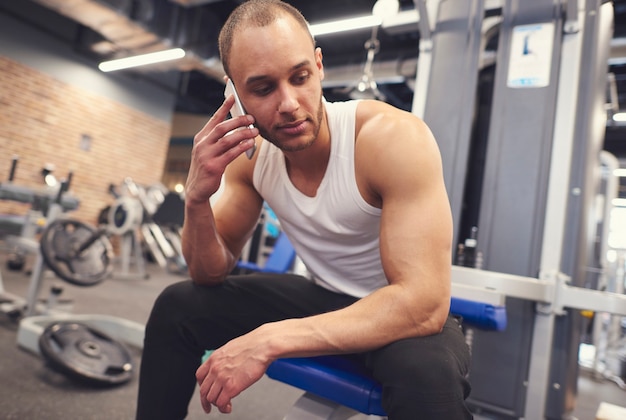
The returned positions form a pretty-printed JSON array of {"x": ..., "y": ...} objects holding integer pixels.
[{"x": 319, "y": 62}]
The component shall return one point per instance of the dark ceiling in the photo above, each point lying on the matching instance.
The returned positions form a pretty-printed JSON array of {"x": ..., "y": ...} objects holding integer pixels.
[{"x": 194, "y": 25}]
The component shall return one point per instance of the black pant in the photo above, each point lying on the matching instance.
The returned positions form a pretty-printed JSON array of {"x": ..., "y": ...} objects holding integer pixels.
[{"x": 422, "y": 378}]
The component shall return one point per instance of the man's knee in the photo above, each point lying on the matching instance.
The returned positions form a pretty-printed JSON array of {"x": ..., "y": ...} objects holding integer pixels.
[
  {"x": 425, "y": 375},
  {"x": 169, "y": 306},
  {"x": 428, "y": 370},
  {"x": 173, "y": 295},
  {"x": 429, "y": 382}
]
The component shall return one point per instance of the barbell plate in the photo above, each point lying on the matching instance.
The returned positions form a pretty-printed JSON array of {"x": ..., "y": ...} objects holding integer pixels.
[
  {"x": 85, "y": 354},
  {"x": 60, "y": 243}
]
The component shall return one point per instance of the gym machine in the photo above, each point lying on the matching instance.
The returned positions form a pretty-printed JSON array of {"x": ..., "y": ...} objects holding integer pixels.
[
  {"x": 20, "y": 231},
  {"x": 122, "y": 220},
  {"x": 80, "y": 255},
  {"x": 46, "y": 205},
  {"x": 521, "y": 148},
  {"x": 150, "y": 217},
  {"x": 161, "y": 224}
]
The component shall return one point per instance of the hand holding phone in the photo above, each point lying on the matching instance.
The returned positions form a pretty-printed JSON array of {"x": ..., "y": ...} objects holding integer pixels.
[{"x": 237, "y": 110}]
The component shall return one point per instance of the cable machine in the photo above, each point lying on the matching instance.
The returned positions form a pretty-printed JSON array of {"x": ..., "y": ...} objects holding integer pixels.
[{"x": 520, "y": 165}]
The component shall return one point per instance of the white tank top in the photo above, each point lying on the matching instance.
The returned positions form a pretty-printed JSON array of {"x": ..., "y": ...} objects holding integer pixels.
[{"x": 335, "y": 233}]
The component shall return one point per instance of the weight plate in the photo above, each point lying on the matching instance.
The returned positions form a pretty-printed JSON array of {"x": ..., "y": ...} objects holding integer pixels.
[
  {"x": 60, "y": 246},
  {"x": 85, "y": 354}
]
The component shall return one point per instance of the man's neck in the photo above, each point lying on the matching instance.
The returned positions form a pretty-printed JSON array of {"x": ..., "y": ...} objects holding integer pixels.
[{"x": 306, "y": 168}]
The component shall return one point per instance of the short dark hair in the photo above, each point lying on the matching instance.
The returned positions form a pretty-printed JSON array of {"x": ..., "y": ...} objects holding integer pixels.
[{"x": 258, "y": 13}]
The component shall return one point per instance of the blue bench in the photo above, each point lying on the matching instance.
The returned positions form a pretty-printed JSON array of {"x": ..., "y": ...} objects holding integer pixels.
[
  {"x": 337, "y": 387},
  {"x": 343, "y": 383},
  {"x": 279, "y": 261}
]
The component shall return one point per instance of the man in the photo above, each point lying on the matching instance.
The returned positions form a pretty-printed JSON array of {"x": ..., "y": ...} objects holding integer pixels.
[{"x": 358, "y": 189}]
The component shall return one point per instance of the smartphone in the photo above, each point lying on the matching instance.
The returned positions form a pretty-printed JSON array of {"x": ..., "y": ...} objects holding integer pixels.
[{"x": 236, "y": 110}]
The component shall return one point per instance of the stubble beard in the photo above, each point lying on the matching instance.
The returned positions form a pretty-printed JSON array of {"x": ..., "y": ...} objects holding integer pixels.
[{"x": 317, "y": 124}]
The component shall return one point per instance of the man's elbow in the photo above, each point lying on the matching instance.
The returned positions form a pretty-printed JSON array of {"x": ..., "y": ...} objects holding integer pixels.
[
  {"x": 435, "y": 319},
  {"x": 203, "y": 277}
]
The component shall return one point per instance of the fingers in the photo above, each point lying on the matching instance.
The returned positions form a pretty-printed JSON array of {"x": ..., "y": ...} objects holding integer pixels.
[
  {"x": 202, "y": 372},
  {"x": 218, "y": 397},
  {"x": 227, "y": 137},
  {"x": 221, "y": 113},
  {"x": 206, "y": 405},
  {"x": 219, "y": 123},
  {"x": 211, "y": 392}
]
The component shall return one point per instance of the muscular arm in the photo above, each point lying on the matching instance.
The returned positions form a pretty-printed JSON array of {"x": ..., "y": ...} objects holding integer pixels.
[
  {"x": 399, "y": 167},
  {"x": 212, "y": 238}
]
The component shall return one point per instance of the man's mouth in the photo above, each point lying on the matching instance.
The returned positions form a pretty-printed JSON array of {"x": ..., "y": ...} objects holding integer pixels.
[{"x": 293, "y": 128}]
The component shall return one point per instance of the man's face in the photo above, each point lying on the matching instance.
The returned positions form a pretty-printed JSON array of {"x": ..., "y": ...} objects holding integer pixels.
[{"x": 278, "y": 74}]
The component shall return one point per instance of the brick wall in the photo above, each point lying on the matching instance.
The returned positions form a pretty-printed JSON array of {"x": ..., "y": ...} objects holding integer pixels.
[{"x": 45, "y": 121}]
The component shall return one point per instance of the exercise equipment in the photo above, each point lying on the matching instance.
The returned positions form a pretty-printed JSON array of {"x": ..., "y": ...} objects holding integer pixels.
[
  {"x": 280, "y": 260},
  {"x": 123, "y": 219},
  {"x": 12, "y": 305},
  {"x": 269, "y": 249},
  {"x": 90, "y": 348},
  {"x": 20, "y": 231},
  {"x": 73, "y": 247},
  {"x": 124, "y": 215},
  {"x": 85, "y": 354},
  {"x": 161, "y": 224},
  {"x": 76, "y": 252},
  {"x": 520, "y": 162},
  {"x": 338, "y": 388}
]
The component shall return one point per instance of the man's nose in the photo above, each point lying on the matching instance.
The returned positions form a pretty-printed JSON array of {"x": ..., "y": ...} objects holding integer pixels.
[{"x": 288, "y": 100}]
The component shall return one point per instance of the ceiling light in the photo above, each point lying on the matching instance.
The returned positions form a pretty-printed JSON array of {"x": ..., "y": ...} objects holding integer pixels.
[
  {"x": 619, "y": 202},
  {"x": 344, "y": 25},
  {"x": 620, "y": 116},
  {"x": 142, "y": 60},
  {"x": 386, "y": 8}
]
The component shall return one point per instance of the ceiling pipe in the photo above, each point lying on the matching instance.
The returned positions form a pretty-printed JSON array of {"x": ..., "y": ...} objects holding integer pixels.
[{"x": 126, "y": 35}]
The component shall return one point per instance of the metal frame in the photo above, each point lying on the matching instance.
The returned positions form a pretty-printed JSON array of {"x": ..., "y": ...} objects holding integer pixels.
[
  {"x": 551, "y": 165},
  {"x": 552, "y": 291},
  {"x": 553, "y": 295}
]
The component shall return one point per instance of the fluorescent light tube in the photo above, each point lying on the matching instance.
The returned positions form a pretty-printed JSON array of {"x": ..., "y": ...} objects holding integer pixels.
[
  {"x": 620, "y": 116},
  {"x": 619, "y": 202},
  {"x": 345, "y": 25},
  {"x": 142, "y": 60}
]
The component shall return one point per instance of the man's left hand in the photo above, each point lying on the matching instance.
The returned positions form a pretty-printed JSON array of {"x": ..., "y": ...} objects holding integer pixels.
[{"x": 231, "y": 369}]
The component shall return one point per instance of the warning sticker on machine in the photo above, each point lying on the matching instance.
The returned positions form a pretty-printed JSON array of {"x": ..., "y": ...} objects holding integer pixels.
[{"x": 531, "y": 56}]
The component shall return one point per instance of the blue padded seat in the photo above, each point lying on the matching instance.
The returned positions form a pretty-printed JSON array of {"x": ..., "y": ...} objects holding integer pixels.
[
  {"x": 280, "y": 260},
  {"x": 481, "y": 315},
  {"x": 343, "y": 381},
  {"x": 336, "y": 378}
]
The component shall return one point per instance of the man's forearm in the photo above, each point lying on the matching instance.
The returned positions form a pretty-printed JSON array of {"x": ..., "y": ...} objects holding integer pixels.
[
  {"x": 207, "y": 258},
  {"x": 387, "y": 315}
]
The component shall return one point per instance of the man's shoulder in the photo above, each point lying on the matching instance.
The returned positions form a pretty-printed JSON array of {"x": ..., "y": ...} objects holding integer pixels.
[{"x": 376, "y": 118}]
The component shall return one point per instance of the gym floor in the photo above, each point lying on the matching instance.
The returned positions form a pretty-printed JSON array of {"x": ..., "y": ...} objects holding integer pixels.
[{"x": 30, "y": 390}]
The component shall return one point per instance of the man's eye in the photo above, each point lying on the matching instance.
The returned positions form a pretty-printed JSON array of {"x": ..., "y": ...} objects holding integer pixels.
[
  {"x": 301, "y": 78},
  {"x": 262, "y": 90}
]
